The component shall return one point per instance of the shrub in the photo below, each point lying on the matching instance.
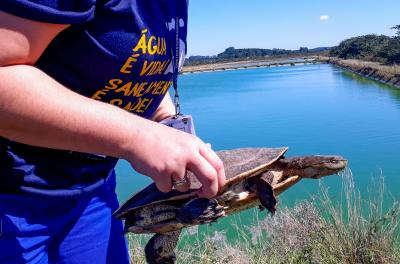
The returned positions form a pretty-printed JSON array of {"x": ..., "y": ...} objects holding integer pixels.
[{"x": 350, "y": 230}]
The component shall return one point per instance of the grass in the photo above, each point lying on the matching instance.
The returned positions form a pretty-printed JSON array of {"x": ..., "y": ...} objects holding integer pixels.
[
  {"x": 358, "y": 64},
  {"x": 347, "y": 229}
]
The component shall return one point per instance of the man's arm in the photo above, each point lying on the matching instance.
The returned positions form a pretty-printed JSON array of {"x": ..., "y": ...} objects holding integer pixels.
[
  {"x": 165, "y": 110},
  {"x": 37, "y": 110}
]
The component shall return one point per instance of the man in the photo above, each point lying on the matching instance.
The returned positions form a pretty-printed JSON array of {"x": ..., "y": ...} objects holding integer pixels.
[{"x": 81, "y": 81}]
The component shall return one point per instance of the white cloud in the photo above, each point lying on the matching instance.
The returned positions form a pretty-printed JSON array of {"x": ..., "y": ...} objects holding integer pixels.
[{"x": 324, "y": 17}]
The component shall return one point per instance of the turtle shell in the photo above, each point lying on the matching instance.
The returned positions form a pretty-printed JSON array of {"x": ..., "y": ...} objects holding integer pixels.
[{"x": 238, "y": 163}]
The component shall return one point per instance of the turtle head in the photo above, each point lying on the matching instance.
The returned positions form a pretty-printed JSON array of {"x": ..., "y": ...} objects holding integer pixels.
[{"x": 316, "y": 167}]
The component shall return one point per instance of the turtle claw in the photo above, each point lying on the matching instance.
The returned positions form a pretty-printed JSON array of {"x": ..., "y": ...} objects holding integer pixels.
[
  {"x": 200, "y": 211},
  {"x": 261, "y": 208}
]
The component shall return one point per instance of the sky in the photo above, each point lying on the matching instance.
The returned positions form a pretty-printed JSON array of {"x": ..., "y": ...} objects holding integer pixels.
[{"x": 289, "y": 24}]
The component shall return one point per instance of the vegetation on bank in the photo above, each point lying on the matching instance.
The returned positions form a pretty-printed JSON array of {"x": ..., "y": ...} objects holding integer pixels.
[
  {"x": 360, "y": 64},
  {"x": 347, "y": 229},
  {"x": 378, "y": 48}
]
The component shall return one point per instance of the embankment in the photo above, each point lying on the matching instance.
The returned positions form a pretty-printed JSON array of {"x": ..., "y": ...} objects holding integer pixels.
[
  {"x": 373, "y": 70},
  {"x": 249, "y": 64}
]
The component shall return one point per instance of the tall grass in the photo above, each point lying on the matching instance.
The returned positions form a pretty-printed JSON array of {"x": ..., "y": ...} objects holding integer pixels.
[{"x": 349, "y": 229}]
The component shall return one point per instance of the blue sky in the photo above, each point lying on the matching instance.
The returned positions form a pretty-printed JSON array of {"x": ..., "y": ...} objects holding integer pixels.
[{"x": 217, "y": 24}]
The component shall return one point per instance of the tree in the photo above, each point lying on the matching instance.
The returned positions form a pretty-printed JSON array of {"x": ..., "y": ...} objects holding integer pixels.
[
  {"x": 303, "y": 50},
  {"x": 362, "y": 47},
  {"x": 397, "y": 28},
  {"x": 391, "y": 52}
]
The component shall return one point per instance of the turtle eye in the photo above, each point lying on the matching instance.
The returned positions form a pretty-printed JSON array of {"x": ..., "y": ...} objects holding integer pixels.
[{"x": 334, "y": 161}]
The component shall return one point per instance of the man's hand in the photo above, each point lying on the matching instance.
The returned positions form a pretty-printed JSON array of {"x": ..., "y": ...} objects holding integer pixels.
[
  {"x": 164, "y": 154},
  {"x": 180, "y": 152}
]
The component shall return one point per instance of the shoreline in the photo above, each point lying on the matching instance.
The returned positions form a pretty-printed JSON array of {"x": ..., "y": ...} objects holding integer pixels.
[
  {"x": 385, "y": 74},
  {"x": 250, "y": 64},
  {"x": 389, "y": 75}
]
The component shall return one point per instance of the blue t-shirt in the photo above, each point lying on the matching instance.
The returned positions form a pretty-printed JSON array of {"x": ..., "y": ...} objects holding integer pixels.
[{"x": 116, "y": 51}]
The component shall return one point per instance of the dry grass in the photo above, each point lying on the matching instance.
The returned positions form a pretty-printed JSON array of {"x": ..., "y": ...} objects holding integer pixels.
[
  {"x": 350, "y": 229},
  {"x": 359, "y": 64}
]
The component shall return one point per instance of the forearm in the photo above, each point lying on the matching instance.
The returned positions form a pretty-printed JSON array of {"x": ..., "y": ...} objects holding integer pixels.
[{"x": 37, "y": 110}]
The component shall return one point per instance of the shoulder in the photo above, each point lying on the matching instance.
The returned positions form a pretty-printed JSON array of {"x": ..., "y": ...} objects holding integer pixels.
[{"x": 51, "y": 11}]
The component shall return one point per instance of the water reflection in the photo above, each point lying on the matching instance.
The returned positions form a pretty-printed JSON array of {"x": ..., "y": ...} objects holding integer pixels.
[{"x": 364, "y": 81}]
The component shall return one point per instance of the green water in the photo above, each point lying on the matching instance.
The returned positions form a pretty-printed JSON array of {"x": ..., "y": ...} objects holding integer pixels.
[{"x": 313, "y": 109}]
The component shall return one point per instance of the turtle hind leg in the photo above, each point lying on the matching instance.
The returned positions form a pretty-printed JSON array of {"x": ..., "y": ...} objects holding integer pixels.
[
  {"x": 265, "y": 193},
  {"x": 160, "y": 248},
  {"x": 200, "y": 211}
]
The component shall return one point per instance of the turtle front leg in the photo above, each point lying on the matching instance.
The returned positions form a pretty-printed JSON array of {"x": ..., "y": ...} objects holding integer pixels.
[
  {"x": 160, "y": 248},
  {"x": 264, "y": 191}
]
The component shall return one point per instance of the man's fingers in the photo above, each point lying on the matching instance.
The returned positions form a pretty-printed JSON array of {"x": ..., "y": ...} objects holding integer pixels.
[
  {"x": 180, "y": 181},
  {"x": 216, "y": 162},
  {"x": 207, "y": 176},
  {"x": 163, "y": 184}
]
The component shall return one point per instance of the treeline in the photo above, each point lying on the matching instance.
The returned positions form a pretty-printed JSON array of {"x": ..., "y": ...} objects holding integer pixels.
[
  {"x": 232, "y": 54},
  {"x": 370, "y": 47}
]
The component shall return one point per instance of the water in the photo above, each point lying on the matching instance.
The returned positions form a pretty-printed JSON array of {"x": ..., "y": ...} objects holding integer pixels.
[{"x": 313, "y": 109}]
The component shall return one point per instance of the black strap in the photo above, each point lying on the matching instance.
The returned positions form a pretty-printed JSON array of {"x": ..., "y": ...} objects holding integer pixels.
[
  {"x": 175, "y": 63},
  {"x": 175, "y": 50}
]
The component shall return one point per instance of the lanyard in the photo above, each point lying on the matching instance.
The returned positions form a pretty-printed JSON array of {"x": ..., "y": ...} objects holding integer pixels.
[{"x": 175, "y": 52}]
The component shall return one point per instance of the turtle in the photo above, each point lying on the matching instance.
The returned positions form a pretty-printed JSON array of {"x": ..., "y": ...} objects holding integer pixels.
[{"x": 255, "y": 176}]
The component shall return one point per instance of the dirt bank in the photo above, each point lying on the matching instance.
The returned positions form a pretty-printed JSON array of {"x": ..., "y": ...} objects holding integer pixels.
[
  {"x": 373, "y": 70},
  {"x": 248, "y": 64}
]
